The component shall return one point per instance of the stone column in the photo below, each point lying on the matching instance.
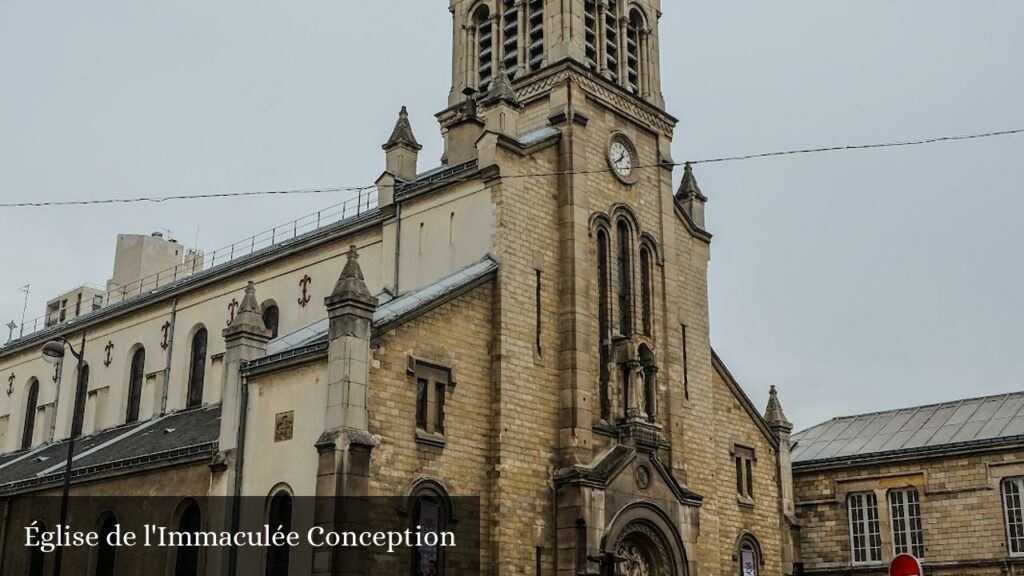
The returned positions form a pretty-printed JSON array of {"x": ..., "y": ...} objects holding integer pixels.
[
  {"x": 782, "y": 428},
  {"x": 524, "y": 38},
  {"x": 602, "y": 41},
  {"x": 345, "y": 444},
  {"x": 624, "y": 51}
]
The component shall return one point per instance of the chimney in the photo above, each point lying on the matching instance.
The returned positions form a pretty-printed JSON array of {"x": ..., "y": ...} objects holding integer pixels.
[{"x": 402, "y": 149}]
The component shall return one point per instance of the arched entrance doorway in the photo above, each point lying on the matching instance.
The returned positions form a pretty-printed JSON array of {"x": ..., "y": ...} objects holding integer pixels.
[{"x": 645, "y": 543}]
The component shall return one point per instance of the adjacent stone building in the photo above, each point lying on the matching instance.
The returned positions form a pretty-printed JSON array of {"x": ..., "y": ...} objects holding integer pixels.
[
  {"x": 526, "y": 323},
  {"x": 942, "y": 482}
]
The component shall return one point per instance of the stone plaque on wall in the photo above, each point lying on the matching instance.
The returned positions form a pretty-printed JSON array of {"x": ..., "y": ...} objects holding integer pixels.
[{"x": 283, "y": 424}]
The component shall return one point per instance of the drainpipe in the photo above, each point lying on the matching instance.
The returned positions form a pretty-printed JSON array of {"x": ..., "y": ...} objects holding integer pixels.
[
  {"x": 239, "y": 461},
  {"x": 170, "y": 350},
  {"x": 398, "y": 241}
]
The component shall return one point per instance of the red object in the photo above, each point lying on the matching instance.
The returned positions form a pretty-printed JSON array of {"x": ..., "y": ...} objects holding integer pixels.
[{"x": 905, "y": 565}]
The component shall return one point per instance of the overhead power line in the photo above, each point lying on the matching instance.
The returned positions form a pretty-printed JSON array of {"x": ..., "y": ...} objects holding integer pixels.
[{"x": 848, "y": 147}]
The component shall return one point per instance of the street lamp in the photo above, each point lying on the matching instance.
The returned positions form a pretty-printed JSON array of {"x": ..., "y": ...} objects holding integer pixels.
[{"x": 53, "y": 352}]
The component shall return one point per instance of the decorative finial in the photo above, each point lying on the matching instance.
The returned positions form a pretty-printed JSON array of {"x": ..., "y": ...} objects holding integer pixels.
[
  {"x": 501, "y": 90},
  {"x": 351, "y": 285},
  {"x": 402, "y": 134},
  {"x": 774, "y": 415},
  {"x": 688, "y": 187}
]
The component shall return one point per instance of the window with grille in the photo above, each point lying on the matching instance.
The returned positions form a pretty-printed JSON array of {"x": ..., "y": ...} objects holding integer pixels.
[
  {"x": 485, "y": 47},
  {"x": 1012, "y": 489},
  {"x": 611, "y": 39},
  {"x": 604, "y": 328},
  {"x": 865, "y": 541},
  {"x": 535, "y": 34},
  {"x": 510, "y": 34},
  {"x": 625, "y": 278},
  {"x": 590, "y": 24},
  {"x": 905, "y": 510},
  {"x": 646, "y": 294},
  {"x": 633, "y": 52}
]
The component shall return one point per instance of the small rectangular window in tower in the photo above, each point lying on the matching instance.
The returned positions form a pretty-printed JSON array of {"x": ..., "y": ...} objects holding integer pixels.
[
  {"x": 432, "y": 384},
  {"x": 744, "y": 458},
  {"x": 686, "y": 368}
]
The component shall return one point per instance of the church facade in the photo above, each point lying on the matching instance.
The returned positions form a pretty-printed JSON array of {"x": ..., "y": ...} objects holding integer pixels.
[{"x": 526, "y": 324}]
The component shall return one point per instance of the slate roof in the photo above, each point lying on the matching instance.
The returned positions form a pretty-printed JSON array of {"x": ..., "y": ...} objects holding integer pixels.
[
  {"x": 189, "y": 434},
  {"x": 923, "y": 430}
]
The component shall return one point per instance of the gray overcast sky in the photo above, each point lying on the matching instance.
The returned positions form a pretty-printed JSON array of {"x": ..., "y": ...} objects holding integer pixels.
[{"x": 853, "y": 281}]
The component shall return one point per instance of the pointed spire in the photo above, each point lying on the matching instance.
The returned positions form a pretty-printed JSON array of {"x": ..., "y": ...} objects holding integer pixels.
[
  {"x": 402, "y": 134},
  {"x": 501, "y": 90},
  {"x": 689, "y": 187},
  {"x": 351, "y": 285},
  {"x": 248, "y": 319},
  {"x": 774, "y": 415}
]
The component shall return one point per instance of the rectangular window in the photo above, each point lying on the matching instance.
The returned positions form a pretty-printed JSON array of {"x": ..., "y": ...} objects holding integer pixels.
[
  {"x": 1012, "y": 489},
  {"x": 864, "y": 532},
  {"x": 431, "y": 385},
  {"x": 744, "y": 457},
  {"x": 686, "y": 368},
  {"x": 907, "y": 535}
]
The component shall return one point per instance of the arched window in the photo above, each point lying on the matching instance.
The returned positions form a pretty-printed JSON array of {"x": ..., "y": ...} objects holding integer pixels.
[
  {"x": 535, "y": 33},
  {"x": 271, "y": 319},
  {"x": 748, "y": 553},
  {"x": 31, "y": 404},
  {"x": 485, "y": 47},
  {"x": 186, "y": 559},
  {"x": 510, "y": 36},
  {"x": 197, "y": 369},
  {"x": 36, "y": 558},
  {"x": 105, "y": 553},
  {"x": 138, "y": 372},
  {"x": 634, "y": 65},
  {"x": 279, "y": 518},
  {"x": 430, "y": 511},
  {"x": 603, "y": 322},
  {"x": 646, "y": 294},
  {"x": 81, "y": 390},
  {"x": 625, "y": 275}
]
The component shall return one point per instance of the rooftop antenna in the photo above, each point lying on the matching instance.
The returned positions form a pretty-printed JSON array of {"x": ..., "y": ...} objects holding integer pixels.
[{"x": 26, "y": 289}]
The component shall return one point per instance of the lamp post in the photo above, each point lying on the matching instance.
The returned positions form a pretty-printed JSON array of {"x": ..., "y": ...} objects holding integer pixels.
[{"x": 53, "y": 352}]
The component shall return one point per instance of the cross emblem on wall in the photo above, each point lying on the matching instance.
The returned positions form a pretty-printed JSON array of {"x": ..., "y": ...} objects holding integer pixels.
[
  {"x": 304, "y": 283},
  {"x": 108, "y": 348},
  {"x": 10, "y": 384},
  {"x": 232, "y": 308}
]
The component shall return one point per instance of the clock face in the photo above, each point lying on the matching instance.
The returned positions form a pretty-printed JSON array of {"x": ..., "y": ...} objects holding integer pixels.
[{"x": 620, "y": 157}]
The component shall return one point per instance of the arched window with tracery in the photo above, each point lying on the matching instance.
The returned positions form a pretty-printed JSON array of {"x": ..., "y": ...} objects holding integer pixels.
[
  {"x": 197, "y": 368},
  {"x": 31, "y": 405},
  {"x": 484, "y": 47},
  {"x": 646, "y": 292},
  {"x": 81, "y": 390},
  {"x": 603, "y": 322},
  {"x": 430, "y": 509},
  {"x": 135, "y": 380},
  {"x": 625, "y": 278},
  {"x": 279, "y": 518},
  {"x": 186, "y": 558}
]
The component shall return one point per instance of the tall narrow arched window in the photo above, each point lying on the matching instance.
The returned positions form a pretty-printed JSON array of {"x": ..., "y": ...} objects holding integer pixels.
[
  {"x": 535, "y": 34},
  {"x": 105, "y": 553},
  {"x": 603, "y": 322},
  {"x": 279, "y": 518},
  {"x": 186, "y": 558},
  {"x": 197, "y": 369},
  {"x": 590, "y": 28},
  {"x": 430, "y": 514},
  {"x": 31, "y": 405},
  {"x": 271, "y": 319},
  {"x": 611, "y": 39},
  {"x": 748, "y": 552},
  {"x": 625, "y": 277},
  {"x": 646, "y": 294},
  {"x": 135, "y": 378},
  {"x": 81, "y": 390},
  {"x": 36, "y": 558},
  {"x": 510, "y": 37},
  {"x": 484, "y": 47},
  {"x": 634, "y": 66}
]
